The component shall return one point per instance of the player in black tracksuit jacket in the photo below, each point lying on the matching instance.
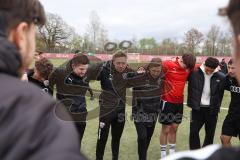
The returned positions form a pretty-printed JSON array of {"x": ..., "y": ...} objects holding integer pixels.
[
  {"x": 71, "y": 89},
  {"x": 146, "y": 104},
  {"x": 231, "y": 124},
  {"x": 112, "y": 76},
  {"x": 40, "y": 74},
  {"x": 205, "y": 93}
]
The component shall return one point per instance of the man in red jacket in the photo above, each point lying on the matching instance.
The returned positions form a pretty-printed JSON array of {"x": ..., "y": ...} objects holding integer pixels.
[{"x": 176, "y": 74}]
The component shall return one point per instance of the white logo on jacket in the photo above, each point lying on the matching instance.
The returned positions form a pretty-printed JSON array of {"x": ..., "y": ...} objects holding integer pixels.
[{"x": 235, "y": 89}]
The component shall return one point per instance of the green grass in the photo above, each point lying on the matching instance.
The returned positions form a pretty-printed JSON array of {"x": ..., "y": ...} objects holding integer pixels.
[
  {"x": 58, "y": 62},
  {"x": 128, "y": 147}
]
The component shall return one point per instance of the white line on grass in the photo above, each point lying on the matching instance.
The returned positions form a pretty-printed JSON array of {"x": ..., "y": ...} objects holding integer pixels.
[{"x": 220, "y": 108}]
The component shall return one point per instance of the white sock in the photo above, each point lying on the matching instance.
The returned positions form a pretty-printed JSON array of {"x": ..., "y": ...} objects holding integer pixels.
[
  {"x": 163, "y": 151},
  {"x": 172, "y": 148}
]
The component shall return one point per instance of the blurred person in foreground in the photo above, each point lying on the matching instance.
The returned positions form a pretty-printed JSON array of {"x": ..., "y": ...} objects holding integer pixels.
[{"x": 30, "y": 128}]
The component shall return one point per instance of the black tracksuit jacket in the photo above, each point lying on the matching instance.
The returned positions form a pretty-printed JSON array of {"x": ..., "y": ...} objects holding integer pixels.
[
  {"x": 234, "y": 88},
  {"x": 71, "y": 91},
  {"x": 195, "y": 89},
  {"x": 146, "y": 97},
  {"x": 113, "y": 84}
]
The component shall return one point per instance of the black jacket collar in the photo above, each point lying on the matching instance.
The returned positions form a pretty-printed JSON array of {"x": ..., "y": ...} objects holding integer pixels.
[{"x": 10, "y": 59}]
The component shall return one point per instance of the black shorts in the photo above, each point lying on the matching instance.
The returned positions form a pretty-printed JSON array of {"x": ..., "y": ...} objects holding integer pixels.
[
  {"x": 170, "y": 113},
  {"x": 231, "y": 126}
]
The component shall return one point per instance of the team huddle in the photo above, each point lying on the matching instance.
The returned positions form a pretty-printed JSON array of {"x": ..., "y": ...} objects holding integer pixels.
[
  {"x": 157, "y": 90},
  {"x": 33, "y": 124}
]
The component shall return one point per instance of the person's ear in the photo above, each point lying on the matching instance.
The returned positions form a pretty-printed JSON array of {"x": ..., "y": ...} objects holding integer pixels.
[
  {"x": 73, "y": 66},
  {"x": 18, "y": 36}
]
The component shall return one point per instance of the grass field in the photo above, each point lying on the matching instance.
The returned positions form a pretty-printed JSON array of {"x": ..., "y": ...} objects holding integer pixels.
[{"x": 128, "y": 148}]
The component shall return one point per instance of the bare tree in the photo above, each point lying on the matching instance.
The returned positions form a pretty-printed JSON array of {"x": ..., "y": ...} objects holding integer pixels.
[
  {"x": 182, "y": 48},
  {"x": 40, "y": 45},
  {"x": 96, "y": 34},
  {"x": 103, "y": 38},
  {"x": 212, "y": 38},
  {"x": 206, "y": 49},
  {"x": 55, "y": 32},
  {"x": 224, "y": 44},
  {"x": 93, "y": 28},
  {"x": 193, "y": 38},
  {"x": 134, "y": 47},
  {"x": 74, "y": 41},
  {"x": 168, "y": 46},
  {"x": 87, "y": 44}
]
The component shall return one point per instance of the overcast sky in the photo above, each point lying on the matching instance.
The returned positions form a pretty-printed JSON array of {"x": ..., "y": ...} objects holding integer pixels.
[{"x": 125, "y": 19}]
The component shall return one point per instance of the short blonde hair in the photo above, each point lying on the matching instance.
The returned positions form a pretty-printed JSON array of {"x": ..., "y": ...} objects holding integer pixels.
[{"x": 119, "y": 54}]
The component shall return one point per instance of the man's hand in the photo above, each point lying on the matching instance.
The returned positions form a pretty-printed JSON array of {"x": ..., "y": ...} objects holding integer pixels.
[{"x": 141, "y": 70}]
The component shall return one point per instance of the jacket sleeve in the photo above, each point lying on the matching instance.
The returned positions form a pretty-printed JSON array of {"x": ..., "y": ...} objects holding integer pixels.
[
  {"x": 133, "y": 79},
  {"x": 94, "y": 72},
  {"x": 227, "y": 84},
  {"x": 53, "y": 79},
  {"x": 222, "y": 87}
]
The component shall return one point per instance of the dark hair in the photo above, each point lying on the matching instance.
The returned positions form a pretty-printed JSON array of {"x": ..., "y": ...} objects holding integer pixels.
[
  {"x": 44, "y": 67},
  {"x": 119, "y": 54},
  {"x": 13, "y": 12},
  {"x": 77, "y": 51},
  {"x": 189, "y": 60},
  {"x": 212, "y": 63},
  {"x": 39, "y": 52},
  {"x": 155, "y": 62},
  {"x": 230, "y": 62},
  {"x": 80, "y": 59}
]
